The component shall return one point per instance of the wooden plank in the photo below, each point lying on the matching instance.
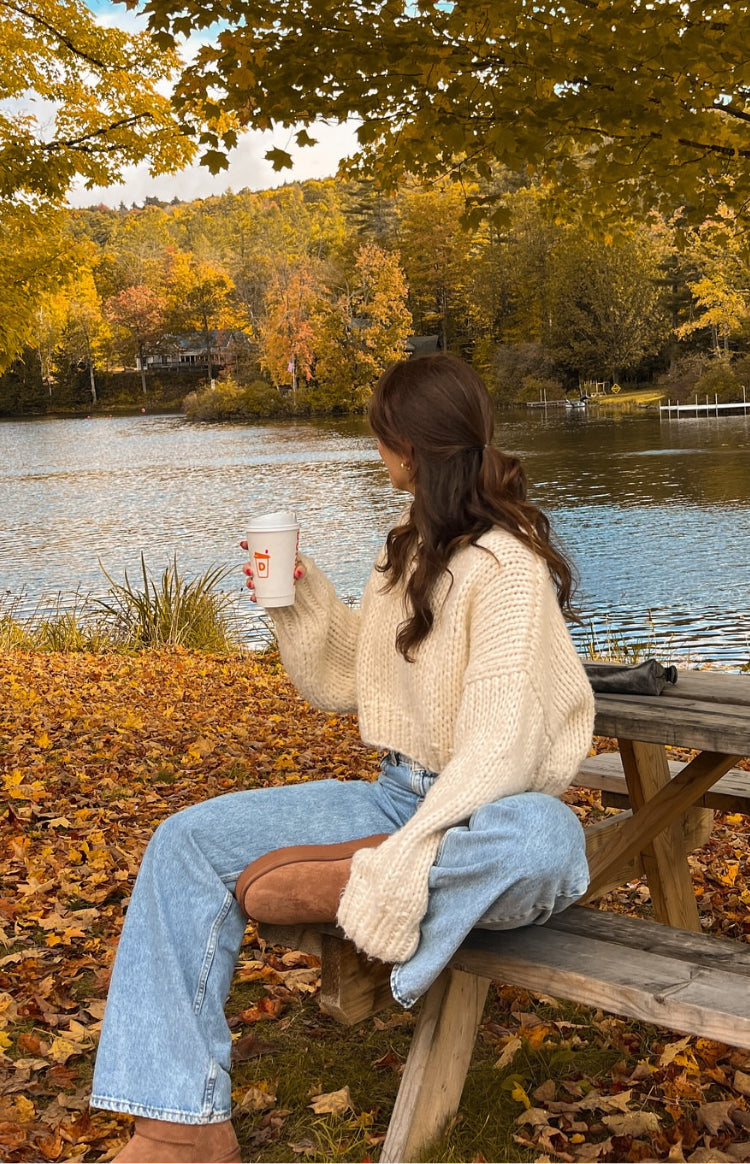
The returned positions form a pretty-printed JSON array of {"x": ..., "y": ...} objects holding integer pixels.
[
  {"x": 665, "y": 857},
  {"x": 695, "y": 831},
  {"x": 704, "y": 950},
  {"x": 729, "y": 794},
  {"x": 683, "y": 723},
  {"x": 706, "y": 687},
  {"x": 643, "y": 984},
  {"x": 436, "y": 1067},
  {"x": 352, "y": 987},
  {"x": 714, "y": 687},
  {"x": 309, "y": 939},
  {"x": 670, "y": 801},
  {"x": 601, "y": 834}
]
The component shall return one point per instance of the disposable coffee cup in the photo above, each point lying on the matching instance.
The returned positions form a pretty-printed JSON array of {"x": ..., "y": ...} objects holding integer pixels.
[{"x": 272, "y": 540}]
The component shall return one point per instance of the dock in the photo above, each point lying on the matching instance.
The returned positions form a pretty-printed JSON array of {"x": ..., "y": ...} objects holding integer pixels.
[{"x": 710, "y": 408}]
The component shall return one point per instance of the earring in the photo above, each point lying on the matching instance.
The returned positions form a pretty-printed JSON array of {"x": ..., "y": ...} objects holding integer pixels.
[{"x": 406, "y": 467}]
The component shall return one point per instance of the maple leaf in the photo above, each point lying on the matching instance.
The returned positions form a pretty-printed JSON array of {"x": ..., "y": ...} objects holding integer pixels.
[{"x": 332, "y": 1102}]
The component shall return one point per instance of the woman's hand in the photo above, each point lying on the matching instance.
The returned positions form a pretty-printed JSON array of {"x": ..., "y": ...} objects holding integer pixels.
[{"x": 299, "y": 572}]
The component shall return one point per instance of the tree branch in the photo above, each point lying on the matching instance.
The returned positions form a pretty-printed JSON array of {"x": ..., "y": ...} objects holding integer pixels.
[
  {"x": 740, "y": 114},
  {"x": 55, "y": 32},
  {"x": 79, "y": 142}
]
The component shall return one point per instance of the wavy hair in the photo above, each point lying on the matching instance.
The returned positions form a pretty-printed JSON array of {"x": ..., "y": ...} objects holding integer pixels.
[{"x": 436, "y": 412}]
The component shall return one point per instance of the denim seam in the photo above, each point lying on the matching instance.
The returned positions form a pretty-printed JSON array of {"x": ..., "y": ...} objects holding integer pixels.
[
  {"x": 208, "y": 1095},
  {"x": 213, "y": 938},
  {"x": 231, "y": 878},
  {"x": 399, "y": 998},
  {"x": 171, "y": 1114}
]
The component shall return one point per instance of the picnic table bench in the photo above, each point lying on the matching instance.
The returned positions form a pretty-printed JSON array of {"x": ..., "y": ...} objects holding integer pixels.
[{"x": 665, "y": 972}]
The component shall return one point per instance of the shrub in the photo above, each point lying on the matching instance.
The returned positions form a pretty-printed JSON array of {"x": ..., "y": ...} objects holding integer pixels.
[
  {"x": 719, "y": 380},
  {"x": 540, "y": 388},
  {"x": 232, "y": 401},
  {"x": 516, "y": 363},
  {"x": 172, "y": 612}
]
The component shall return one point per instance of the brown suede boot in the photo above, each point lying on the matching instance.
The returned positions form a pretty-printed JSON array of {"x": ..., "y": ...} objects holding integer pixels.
[
  {"x": 300, "y": 883},
  {"x": 162, "y": 1142}
]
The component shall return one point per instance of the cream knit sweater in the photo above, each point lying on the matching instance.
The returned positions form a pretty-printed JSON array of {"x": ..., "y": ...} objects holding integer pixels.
[{"x": 496, "y": 701}]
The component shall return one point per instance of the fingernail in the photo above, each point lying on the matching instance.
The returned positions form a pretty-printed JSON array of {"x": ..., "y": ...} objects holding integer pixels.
[{"x": 298, "y": 573}]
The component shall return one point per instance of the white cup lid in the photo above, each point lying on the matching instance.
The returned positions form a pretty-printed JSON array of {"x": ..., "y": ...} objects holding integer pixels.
[{"x": 281, "y": 519}]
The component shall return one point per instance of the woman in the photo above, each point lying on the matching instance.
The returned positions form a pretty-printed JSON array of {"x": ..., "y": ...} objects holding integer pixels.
[{"x": 461, "y": 669}]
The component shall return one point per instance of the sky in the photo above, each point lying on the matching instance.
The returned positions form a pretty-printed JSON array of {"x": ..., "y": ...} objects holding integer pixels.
[{"x": 247, "y": 165}]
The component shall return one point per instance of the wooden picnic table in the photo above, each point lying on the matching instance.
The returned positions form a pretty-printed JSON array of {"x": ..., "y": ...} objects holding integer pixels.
[
  {"x": 682, "y": 980},
  {"x": 704, "y": 711}
]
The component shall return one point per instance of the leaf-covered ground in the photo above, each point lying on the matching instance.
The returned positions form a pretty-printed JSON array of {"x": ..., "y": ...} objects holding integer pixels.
[{"x": 96, "y": 750}]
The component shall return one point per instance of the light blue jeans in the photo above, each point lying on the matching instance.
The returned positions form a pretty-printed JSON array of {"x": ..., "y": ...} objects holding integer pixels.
[{"x": 165, "y": 1045}]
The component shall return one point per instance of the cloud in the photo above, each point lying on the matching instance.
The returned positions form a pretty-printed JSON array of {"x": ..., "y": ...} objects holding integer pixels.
[{"x": 247, "y": 168}]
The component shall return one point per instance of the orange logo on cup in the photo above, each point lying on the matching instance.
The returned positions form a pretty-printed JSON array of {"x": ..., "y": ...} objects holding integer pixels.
[{"x": 262, "y": 563}]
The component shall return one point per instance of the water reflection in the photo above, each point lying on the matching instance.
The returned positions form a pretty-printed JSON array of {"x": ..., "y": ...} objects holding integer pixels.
[{"x": 656, "y": 514}]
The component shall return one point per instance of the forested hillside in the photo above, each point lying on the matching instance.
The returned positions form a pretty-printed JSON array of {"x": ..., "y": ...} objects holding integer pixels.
[{"x": 294, "y": 299}]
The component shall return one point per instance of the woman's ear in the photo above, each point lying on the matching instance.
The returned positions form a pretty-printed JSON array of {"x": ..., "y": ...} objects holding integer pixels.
[{"x": 407, "y": 458}]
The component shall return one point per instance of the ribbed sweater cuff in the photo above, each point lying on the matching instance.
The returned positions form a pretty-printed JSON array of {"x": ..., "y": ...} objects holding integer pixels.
[
  {"x": 314, "y": 595},
  {"x": 381, "y": 908}
]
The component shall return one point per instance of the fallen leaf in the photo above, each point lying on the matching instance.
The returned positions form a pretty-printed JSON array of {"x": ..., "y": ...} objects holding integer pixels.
[
  {"x": 258, "y": 1098},
  {"x": 509, "y": 1052},
  {"x": 332, "y": 1102},
  {"x": 62, "y": 1049},
  {"x": 303, "y": 1148},
  {"x": 741, "y": 1083},
  {"x": 546, "y": 1091},
  {"x": 633, "y": 1123},
  {"x": 715, "y": 1117},
  {"x": 671, "y": 1050},
  {"x": 535, "y": 1117},
  {"x": 250, "y": 1047}
]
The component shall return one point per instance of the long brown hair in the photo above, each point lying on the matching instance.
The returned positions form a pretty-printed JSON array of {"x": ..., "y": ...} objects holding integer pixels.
[{"x": 436, "y": 412}]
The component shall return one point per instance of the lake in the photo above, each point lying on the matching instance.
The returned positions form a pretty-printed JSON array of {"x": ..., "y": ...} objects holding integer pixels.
[{"x": 655, "y": 513}]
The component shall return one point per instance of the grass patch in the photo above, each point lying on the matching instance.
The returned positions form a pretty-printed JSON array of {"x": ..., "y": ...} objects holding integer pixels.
[
  {"x": 169, "y": 611},
  {"x": 564, "y": 1052}
]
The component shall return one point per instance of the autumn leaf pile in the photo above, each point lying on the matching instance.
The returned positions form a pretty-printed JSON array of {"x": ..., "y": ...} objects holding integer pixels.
[{"x": 95, "y": 750}]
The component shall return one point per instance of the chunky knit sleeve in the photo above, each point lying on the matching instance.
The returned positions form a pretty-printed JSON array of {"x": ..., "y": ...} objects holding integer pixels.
[
  {"x": 386, "y": 896},
  {"x": 507, "y": 718},
  {"x": 317, "y": 639}
]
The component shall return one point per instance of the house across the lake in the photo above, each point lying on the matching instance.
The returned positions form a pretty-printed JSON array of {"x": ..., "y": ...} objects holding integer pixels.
[
  {"x": 189, "y": 351},
  {"x": 422, "y": 345}
]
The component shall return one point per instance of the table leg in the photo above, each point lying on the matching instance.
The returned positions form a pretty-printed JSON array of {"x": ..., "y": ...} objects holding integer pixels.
[
  {"x": 665, "y": 859},
  {"x": 437, "y": 1064}
]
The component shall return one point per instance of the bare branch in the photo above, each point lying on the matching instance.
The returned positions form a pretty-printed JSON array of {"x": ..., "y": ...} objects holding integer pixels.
[{"x": 78, "y": 143}]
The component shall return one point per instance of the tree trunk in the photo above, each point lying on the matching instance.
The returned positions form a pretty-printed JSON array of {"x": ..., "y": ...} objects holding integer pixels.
[
  {"x": 207, "y": 334},
  {"x": 444, "y": 317},
  {"x": 92, "y": 381},
  {"x": 142, "y": 369}
]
